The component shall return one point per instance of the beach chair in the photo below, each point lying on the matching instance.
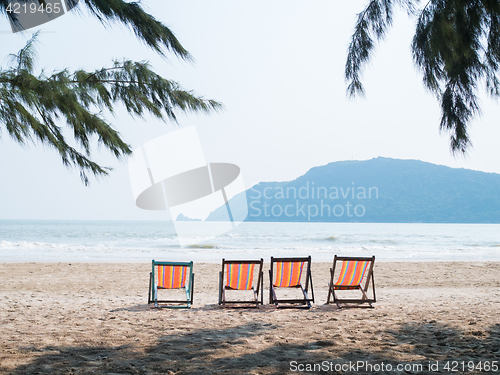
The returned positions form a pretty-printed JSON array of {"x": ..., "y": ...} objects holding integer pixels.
[
  {"x": 287, "y": 273},
  {"x": 353, "y": 271},
  {"x": 239, "y": 275},
  {"x": 171, "y": 275}
]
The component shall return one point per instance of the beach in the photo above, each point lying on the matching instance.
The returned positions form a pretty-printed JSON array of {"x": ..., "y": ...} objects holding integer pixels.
[{"x": 69, "y": 318}]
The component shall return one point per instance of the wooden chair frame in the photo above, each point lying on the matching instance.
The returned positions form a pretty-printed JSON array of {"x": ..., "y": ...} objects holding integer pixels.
[
  {"x": 304, "y": 301},
  {"x": 368, "y": 276},
  {"x": 256, "y": 291},
  {"x": 189, "y": 288}
]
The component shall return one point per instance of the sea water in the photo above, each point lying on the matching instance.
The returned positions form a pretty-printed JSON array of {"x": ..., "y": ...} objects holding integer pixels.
[{"x": 141, "y": 241}]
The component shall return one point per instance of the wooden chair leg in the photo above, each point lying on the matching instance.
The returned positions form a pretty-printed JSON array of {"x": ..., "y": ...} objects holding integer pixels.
[
  {"x": 363, "y": 292},
  {"x": 150, "y": 285},
  {"x": 192, "y": 289},
  {"x": 155, "y": 295},
  {"x": 220, "y": 288},
  {"x": 306, "y": 297},
  {"x": 262, "y": 289},
  {"x": 275, "y": 299},
  {"x": 329, "y": 293},
  {"x": 330, "y": 286},
  {"x": 270, "y": 287},
  {"x": 335, "y": 299}
]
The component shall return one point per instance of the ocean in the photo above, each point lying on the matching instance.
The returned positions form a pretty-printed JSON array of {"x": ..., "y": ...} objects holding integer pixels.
[{"x": 142, "y": 241}]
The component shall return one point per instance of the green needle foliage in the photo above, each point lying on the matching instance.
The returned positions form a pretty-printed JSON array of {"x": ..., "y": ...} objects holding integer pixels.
[
  {"x": 32, "y": 108},
  {"x": 39, "y": 108},
  {"x": 456, "y": 45},
  {"x": 146, "y": 27},
  {"x": 150, "y": 31}
]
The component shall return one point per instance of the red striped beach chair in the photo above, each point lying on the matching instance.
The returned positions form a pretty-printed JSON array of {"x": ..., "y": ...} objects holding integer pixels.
[
  {"x": 288, "y": 273},
  {"x": 353, "y": 272},
  {"x": 171, "y": 275},
  {"x": 239, "y": 275}
]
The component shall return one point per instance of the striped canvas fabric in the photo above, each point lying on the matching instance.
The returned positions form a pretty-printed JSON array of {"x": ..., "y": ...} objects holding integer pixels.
[
  {"x": 288, "y": 274},
  {"x": 172, "y": 277},
  {"x": 352, "y": 273},
  {"x": 239, "y": 276}
]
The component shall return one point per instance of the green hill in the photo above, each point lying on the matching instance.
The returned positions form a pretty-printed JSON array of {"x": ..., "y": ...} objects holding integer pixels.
[{"x": 378, "y": 190}]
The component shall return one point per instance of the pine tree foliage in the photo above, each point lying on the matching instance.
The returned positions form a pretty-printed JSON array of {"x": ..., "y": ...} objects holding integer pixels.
[
  {"x": 456, "y": 46},
  {"x": 36, "y": 107},
  {"x": 40, "y": 108},
  {"x": 152, "y": 32},
  {"x": 146, "y": 27}
]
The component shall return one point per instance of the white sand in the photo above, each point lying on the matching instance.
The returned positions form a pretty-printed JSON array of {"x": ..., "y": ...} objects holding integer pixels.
[{"x": 94, "y": 318}]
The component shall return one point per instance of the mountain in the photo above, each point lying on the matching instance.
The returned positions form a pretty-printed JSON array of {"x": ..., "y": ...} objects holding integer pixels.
[
  {"x": 378, "y": 190},
  {"x": 181, "y": 217}
]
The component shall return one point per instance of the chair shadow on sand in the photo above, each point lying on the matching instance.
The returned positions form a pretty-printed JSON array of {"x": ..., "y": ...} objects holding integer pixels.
[
  {"x": 187, "y": 351},
  {"x": 210, "y": 307}
]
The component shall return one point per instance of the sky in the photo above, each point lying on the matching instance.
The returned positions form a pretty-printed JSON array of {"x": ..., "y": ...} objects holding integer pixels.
[{"x": 276, "y": 66}]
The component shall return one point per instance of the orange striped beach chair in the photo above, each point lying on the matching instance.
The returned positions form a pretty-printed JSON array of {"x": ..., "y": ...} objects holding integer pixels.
[
  {"x": 239, "y": 275},
  {"x": 288, "y": 273},
  {"x": 171, "y": 275},
  {"x": 354, "y": 272}
]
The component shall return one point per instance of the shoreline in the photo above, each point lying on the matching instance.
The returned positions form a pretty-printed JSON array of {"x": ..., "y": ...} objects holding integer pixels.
[{"x": 266, "y": 260}]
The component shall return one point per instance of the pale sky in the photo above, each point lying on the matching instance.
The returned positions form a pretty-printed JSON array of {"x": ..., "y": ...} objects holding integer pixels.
[{"x": 277, "y": 66}]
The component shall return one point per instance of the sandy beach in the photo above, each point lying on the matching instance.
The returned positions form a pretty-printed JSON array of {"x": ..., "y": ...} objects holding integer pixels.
[{"x": 83, "y": 318}]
